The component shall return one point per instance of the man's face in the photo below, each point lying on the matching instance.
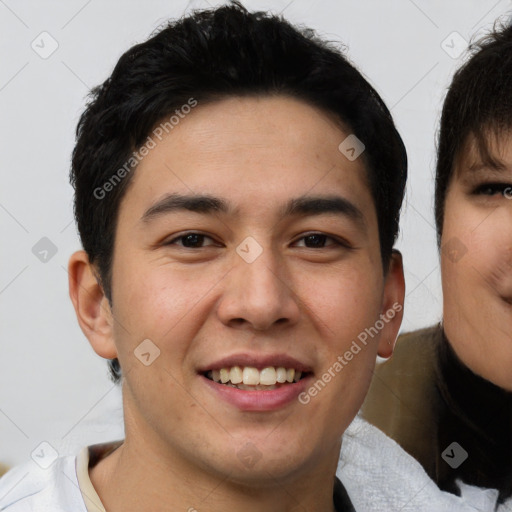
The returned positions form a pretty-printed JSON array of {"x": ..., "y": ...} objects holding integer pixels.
[
  {"x": 287, "y": 276},
  {"x": 476, "y": 260}
]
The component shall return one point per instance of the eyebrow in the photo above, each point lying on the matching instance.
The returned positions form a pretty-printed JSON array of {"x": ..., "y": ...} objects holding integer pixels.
[
  {"x": 493, "y": 165},
  {"x": 209, "y": 205}
]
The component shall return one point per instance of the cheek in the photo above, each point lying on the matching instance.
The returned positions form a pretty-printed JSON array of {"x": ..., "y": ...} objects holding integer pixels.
[
  {"x": 473, "y": 249},
  {"x": 459, "y": 246},
  {"x": 154, "y": 293},
  {"x": 149, "y": 304},
  {"x": 343, "y": 304},
  {"x": 344, "y": 311}
]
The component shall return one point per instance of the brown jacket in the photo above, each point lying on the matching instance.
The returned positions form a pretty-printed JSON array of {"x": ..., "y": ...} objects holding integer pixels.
[
  {"x": 427, "y": 400},
  {"x": 403, "y": 400}
]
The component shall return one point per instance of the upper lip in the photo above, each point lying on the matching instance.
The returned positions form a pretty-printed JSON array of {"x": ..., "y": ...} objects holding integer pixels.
[{"x": 258, "y": 361}]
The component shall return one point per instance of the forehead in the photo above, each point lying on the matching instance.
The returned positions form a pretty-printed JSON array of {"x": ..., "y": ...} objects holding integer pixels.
[{"x": 258, "y": 151}]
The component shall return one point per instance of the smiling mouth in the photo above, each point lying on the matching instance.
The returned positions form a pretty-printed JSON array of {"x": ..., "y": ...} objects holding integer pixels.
[{"x": 249, "y": 378}]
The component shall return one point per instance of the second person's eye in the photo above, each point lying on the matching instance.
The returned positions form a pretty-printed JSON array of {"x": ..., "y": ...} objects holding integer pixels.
[{"x": 490, "y": 189}]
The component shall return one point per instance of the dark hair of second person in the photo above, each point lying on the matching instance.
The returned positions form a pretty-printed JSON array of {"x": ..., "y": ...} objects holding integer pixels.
[{"x": 446, "y": 393}]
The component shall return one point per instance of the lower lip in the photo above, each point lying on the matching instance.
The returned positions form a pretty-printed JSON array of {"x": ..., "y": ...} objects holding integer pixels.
[{"x": 270, "y": 400}]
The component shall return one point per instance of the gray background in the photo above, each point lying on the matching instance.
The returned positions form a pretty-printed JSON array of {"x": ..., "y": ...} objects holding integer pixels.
[{"x": 52, "y": 385}]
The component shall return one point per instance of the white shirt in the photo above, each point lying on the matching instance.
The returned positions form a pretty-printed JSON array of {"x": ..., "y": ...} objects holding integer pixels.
[
  {"x": 380, "y": 476},
  {"x": 65, "y": 486},
  {"x": 376, "y": 472}
]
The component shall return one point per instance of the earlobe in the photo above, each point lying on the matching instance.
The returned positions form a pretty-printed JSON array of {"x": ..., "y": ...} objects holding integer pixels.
[
  {"x": 392, "y": 305},
  {"x": 91, "y": 306}
]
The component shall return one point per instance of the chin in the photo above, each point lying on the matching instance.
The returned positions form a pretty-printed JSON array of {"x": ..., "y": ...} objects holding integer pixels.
[
  {"x": 260, "y": 464},
  {"x": 265, "y": 473}
]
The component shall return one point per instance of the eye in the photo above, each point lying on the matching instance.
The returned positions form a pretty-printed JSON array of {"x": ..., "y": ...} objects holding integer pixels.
[
  {"x": 490, "y": 189},
  {"x": 318, "y": 241},
  {"x": 190, "y": 240},
  {"x": 194, "y": 240}
]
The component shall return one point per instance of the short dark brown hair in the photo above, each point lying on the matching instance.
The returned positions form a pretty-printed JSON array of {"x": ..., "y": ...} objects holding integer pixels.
[{"x": 478, "y": 105}]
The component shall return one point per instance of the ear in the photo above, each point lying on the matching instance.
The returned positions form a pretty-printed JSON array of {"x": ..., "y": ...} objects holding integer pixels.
[
  {"x": 392, "y": 304},
  {"x": 91, "y": 306}
]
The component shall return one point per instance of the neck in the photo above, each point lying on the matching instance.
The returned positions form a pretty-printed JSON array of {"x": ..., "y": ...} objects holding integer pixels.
[
  {"x": 125, "y": 481},
  {"x": 141, "y": 476}
]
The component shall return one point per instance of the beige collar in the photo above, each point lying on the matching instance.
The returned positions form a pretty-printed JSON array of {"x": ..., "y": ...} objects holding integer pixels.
[{"x": 88, "y": 457}]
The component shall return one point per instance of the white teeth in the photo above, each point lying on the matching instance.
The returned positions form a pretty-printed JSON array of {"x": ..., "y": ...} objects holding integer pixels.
[
  {"x": 281, "y": 375},
  {"x": 224, "y": 375},
  {"x": 268, "y": 376},
  {"x": 236, "y": 375},
  {"x": 251, "y": 376}
]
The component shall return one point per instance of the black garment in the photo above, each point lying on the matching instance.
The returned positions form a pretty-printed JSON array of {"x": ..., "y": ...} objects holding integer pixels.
[
  {"x": 425, "y": 399},
  {"x": 478, "y": 415},
  {"x": 342, "y": 502}
]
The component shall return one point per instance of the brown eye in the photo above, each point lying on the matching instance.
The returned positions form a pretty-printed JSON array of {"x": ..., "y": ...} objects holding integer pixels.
[
  {"x": 315, "y": 241},
  {"x": 490, "y": 189},
  {"x": 319, "y": 241},
  {"x": 190, "y": 241}
]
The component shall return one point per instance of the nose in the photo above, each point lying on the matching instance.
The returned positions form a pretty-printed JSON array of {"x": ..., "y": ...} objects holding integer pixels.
[{"x": 258, "y": 295}]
